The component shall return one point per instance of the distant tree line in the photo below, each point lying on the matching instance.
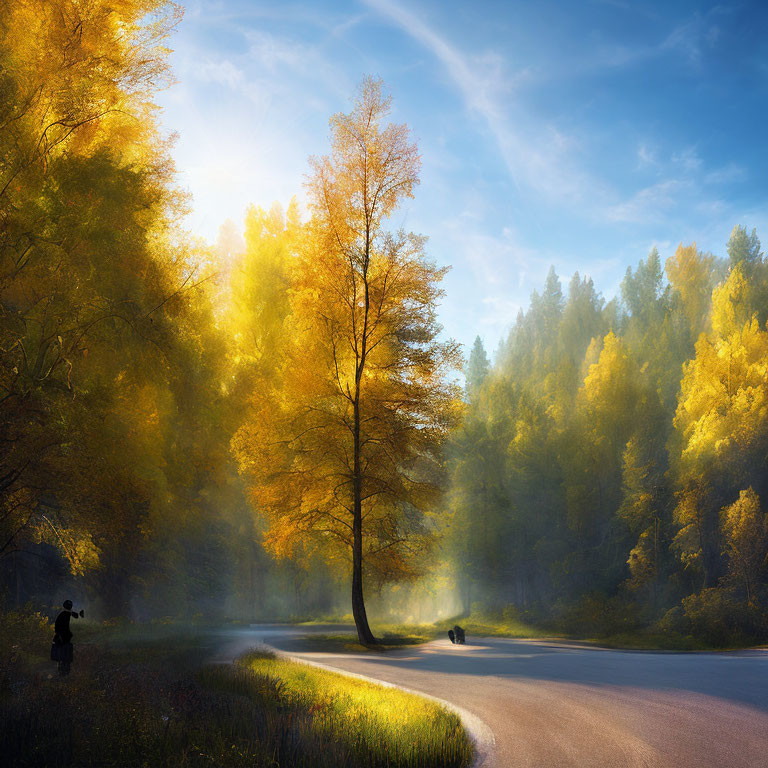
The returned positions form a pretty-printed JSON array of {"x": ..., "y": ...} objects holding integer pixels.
[{"x": 611, "y": 471}]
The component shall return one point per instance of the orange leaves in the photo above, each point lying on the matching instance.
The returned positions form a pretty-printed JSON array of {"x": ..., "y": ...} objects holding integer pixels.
[
  {"x": 359, "y": 403},
  {"x": 369, "y": 171}
]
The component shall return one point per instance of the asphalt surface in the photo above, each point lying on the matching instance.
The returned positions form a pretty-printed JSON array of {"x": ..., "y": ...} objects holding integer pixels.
[{"x": 549, "y": 705}]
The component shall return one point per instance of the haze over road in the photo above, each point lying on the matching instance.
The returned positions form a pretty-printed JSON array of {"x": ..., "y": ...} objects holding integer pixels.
[{"x": 550, "y": 705}]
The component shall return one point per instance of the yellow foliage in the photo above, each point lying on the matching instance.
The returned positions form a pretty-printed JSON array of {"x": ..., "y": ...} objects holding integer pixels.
[
  {"x": 611, "y": 393},
  {"x": 721, "y": 423},
  {"x": 731, "y": 304},
  {"x": 641, "y": 560},
  {"x": 344, "y": 438},
  {"x": 689, "y": 273},
  {"x": 746, "y": 535},
  {"x": 259, "y": 286},
  {"x": 690, "y": 517},
  {"x": 723, "y": 405}
]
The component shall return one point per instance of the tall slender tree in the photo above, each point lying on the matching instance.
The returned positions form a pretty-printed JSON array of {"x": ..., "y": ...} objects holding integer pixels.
[{"x": 346, "y": 458}]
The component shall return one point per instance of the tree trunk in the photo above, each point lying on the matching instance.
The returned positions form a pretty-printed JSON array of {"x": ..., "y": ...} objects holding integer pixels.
[{"x": 364, "y": 634}]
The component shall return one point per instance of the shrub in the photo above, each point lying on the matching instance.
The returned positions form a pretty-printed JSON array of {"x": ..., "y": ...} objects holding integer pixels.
[
  {"x": 719, "y": 618},
  {"x": 674, "y": 622},
  {"x": 598, "y": 615},
  {"x": 25, "y": 638}
]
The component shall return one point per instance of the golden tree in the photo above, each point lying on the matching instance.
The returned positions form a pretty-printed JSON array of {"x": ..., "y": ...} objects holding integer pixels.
[
  {"x": 721, "y": 421},
  {"x": 745, "y": 526},
  {"x": 87, "y": 254},
  {"x": 344, "y": 448},
  {"x": 691, "y": 273}
]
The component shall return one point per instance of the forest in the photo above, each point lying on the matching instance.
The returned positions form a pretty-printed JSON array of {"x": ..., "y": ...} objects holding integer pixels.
[
  {"x": 275, "y": 426},
  {"x": 609, "y": 472}
]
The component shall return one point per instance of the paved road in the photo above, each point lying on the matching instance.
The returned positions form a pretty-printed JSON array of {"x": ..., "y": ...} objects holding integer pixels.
[{"x": 550, "y": 705}]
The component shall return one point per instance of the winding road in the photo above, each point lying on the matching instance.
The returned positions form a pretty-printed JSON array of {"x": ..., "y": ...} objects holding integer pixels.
[{"x": 545, "y": 704}]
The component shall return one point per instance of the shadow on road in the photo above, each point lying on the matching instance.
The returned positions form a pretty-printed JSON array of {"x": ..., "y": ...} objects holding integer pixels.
[{"x": 737, "y": 676}]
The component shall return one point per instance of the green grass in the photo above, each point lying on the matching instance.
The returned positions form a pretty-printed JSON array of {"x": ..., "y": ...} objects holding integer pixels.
[
  {"x": 392, "y": 636},
  {"x": 650, "y": 641},
  {"x": 145, "y": 696},
  {"x": 377, "y": 726},
  {"x": 489, "y": 626}
]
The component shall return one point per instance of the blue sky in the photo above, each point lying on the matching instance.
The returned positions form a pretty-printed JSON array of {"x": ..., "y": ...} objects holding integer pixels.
[{"x": 577, "y": 134}]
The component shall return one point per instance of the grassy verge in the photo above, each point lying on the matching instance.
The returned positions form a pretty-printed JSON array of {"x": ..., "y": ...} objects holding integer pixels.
[
  {"x": 493, "y": 627},
  {"x": 393, "y": 636},
  {"x": 361, "y": 723},
  {"x": 145, "y": 696},
  {"x": 650, "y": 641}
]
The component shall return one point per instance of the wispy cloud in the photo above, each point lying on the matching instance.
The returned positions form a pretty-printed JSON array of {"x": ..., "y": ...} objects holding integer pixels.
[
  {"x": 264, "y": 66},
  {"x": 727, "y": 174},
  {"x": 646, "y": 156},
  {"x": 540, "y": 155},
  {"x": 649, "y": 203},
  {"x": 258, "y": 80},
  {"x": 541, "y": 162},
  {"x": 688, "y": 41},
  {"x": 691, "y": 38},
  {"x": 687, "y": 160},
  {"x": 555, "y": 165},
  {"x": 497, "y": 267}
]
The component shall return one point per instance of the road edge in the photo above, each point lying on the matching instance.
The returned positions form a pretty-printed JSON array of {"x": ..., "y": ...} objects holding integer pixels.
[{"x": 481, "y": 736}]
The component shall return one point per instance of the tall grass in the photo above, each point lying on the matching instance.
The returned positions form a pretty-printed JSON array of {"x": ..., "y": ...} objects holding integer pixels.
[
  {"x": 145, "y": 697},
  {"x": 375, "y": 726}
]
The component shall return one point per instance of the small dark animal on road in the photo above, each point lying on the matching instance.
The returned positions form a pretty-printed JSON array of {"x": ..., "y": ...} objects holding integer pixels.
[
  {"x": 451, "y": 636},
  {"x": 459, "y": 635},
  {"x": 61, "y": 649}
]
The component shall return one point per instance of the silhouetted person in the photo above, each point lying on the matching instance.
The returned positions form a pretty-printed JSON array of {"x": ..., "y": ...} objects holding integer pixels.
[
  {"x": 451, "y": 635},
  {"x": 62, "y": 639}
]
